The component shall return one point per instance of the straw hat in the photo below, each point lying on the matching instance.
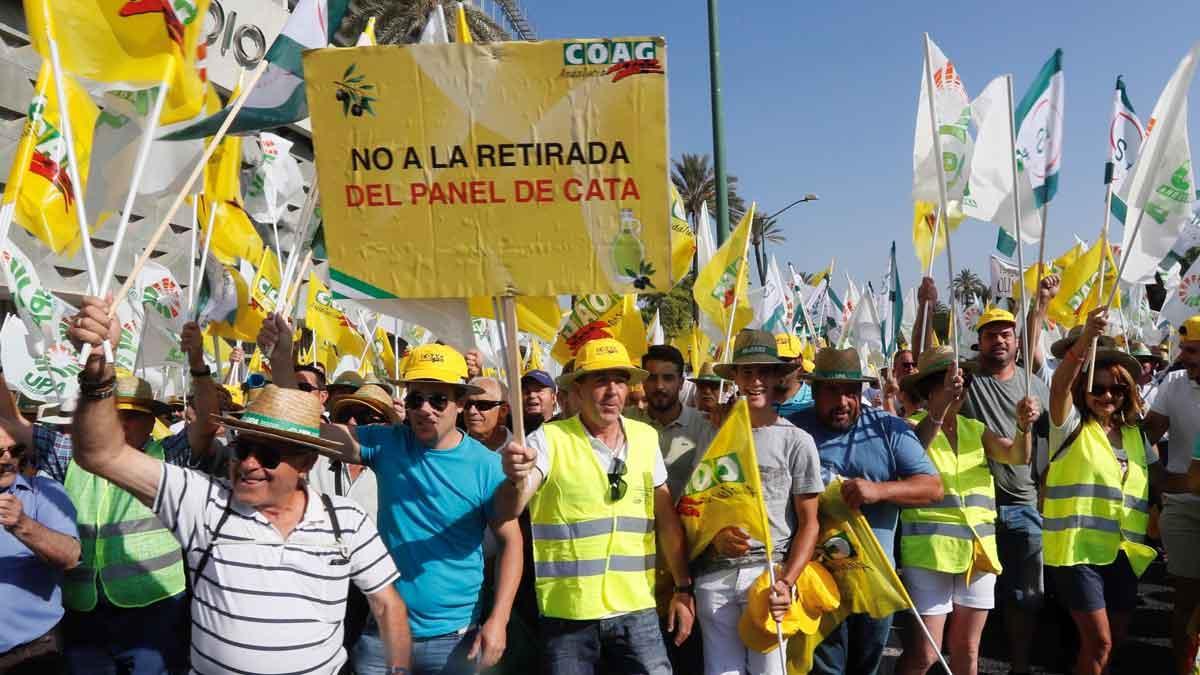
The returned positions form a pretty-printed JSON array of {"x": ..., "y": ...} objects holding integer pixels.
[
  {"x": 933, "y": 362},
  {"x": 437, "y": 363},
  {"x": 754, "y": 347},
  {"x": 348, "y": 381},
  {"x": 134, "y": 394},
  {"x": 370, "y": 396},
  {"x": 287, "y": 416},
  {"x": 1139, "y": 351},
  {"x": 838, "y": 365},
  {"x": 994, "y": 315},
  {"x": 599, "y": 355},
  {"x": 707, "y": 374},
  {"x": 1062, "y": 345}
]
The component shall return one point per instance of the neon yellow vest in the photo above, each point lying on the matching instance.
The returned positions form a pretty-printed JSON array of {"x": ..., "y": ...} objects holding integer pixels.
[
  {"x": 124, "y": 548},
  {"x": 957, "y": 534},
  {"x": 1089, "y": 512},
  {"x": 594, "y": 558}
]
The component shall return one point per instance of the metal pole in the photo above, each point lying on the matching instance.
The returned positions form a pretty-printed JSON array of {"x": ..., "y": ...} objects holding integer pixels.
[{"x": 714, "y": 74}]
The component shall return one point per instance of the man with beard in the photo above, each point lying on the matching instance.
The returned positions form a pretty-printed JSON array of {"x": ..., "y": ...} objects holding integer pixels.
[
  {"x": 883, "y": 468},
  {"x": 683, "y": 432},
  {"x": 992, "y": 398}
]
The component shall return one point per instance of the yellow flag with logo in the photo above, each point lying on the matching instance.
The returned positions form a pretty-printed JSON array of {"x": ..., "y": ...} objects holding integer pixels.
[
  {"x": 233, "y": 237},
  {"x": 534, "y": 362},
  {"x": 722, "y": 287},
  {"x": 262, "y": 295},
  {"x": 1056, "y": 266},
  {"x": 602, "y": 316},
  {"x": 536, "y": 315},
  {"x": 725, "y": 487},
  {"x": 1079, "y": 289},
  {"x": 866, "y": 580},
  {"x": 683, "y": 240},
  {"x": 39, "y": 183},
  {"x": 924, "y": 223},
  {"x": 327, "y": 319}
]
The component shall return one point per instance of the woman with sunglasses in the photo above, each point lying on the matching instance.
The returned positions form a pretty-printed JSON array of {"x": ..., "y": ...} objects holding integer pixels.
[{"x": 1096, "y": 494}]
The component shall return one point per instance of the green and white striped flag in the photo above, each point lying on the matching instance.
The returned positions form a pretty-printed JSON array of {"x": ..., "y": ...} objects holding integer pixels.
[
  {"x": 1125, "y": 136},
  {"x": 1039, "y": 117}
]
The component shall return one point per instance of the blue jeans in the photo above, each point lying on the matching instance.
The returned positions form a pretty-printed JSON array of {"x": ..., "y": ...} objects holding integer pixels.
[
  {"x": 629, "y": 643},
  {"x": 147, "y": 640},
  {"x": 1019, "y": 543},
  {"x": 853, "y": 648},
  {"x": 442, "y": 655}
]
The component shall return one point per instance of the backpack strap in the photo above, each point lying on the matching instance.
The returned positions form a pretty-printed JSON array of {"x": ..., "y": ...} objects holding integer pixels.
[{"x": 212, "y": 542}]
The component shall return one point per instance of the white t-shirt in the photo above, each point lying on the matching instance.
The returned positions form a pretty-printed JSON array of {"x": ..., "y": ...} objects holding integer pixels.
[{"x": 1178, "y": 398}]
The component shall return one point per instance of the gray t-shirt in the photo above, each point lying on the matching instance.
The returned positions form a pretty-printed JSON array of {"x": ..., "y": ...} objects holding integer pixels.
[
  {"x": 994, "y": 402},
  {"x": 789, "y": 465},
  {"x": 683, "y": 442}
]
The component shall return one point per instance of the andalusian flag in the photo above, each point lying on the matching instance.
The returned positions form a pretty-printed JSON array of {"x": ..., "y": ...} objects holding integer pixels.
[
  {"x": 1039, "y": 118},
  {"x": 683, "y": 240},
  {"x": 725, "y": 278},
  {"x": 725, "y": 488},
  {"x": 39, "y": 183}
]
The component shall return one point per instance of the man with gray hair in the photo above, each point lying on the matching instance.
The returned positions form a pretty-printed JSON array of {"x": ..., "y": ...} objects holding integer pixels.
[{"x": 484, "y": 413}]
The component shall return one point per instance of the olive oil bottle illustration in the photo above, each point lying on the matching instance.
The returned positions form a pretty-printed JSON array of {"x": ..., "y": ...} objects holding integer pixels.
[{"x": 628, "y": 253}]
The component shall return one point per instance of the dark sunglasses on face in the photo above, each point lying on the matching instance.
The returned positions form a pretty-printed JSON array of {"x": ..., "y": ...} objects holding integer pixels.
[
  {"x": 307, "y": 388},
  {"x": 482, "y": 406},
  {"x": 416, "y": 400},
  {"x": 617, "y": 487},
  {"x": 268, "y": 456},
  {"x": 1115, "y": 390}
]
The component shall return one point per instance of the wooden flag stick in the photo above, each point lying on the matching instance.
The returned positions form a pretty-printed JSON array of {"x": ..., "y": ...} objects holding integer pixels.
[
  {"x": 286, "y": 309},
  {"x": 1016, "y": 202},
  {"x": 943, "y": 209},
  {"x": 1108, "y": 195},
  {"x": 512, "y": 356}
]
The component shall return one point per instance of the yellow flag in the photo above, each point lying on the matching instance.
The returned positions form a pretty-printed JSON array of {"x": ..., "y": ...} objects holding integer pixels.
[
  {"x": 866, "y": 580},
  {"x": 256, "y": 365},
  {"x": 683, "y": 240},
  {"x": 534, "y": 362},
  {"x": 367, "y": 39},
  {"x": 331, "y": 324},
  {"x": 598, "y": 316},
  {"x": 725, "y": 487},
  {"x": 924, "y": 223},
  {"x": 132, "y": 44},
  {"x": 240, "y": 325},
  {"x": 821, "y": 276},
  {"x": 384, "y": 352},
  {"x": 724, "y": 281},
  {"x": 538, "y": 316},
  {"x": 234, "y": 237},
  {"x": 462, "y": 29},
  {"x": 40, "y": 181},
  {"x": 695, "y": 347},
  {"x": 262, "y": 297},
  {"x": 1079, "y": 290},
  {"x": 1057, "y": 266}
]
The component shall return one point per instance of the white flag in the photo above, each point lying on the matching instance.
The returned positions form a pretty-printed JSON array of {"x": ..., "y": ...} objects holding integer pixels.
[
  {"x": 770, "y": 303},
  {"x": 1004, "y": 278},
  {"x": 1039, "y": 118},
  {"x": 706, "y": 248},
  {"x": 1125, "y": 135},
  {"x": 434, "y": 31},
  {"x": 1184, "y": 302},
  {"x": 953, "y": 109},
  {"x": 273, "y": 178},
  {"x": 654, "y": 333},
  {"x": 448, "y": 319},
  {"x": 42, "y": 363},
  {"x": 1160, "y": 190}
]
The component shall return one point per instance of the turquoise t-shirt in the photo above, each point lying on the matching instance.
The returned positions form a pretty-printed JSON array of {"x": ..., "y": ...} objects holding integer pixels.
[{"x": 434, "y": 506}]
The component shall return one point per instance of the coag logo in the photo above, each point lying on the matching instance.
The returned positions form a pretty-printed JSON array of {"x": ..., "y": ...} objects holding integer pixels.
[
  {"x": 715, "y": 471},
  {"x": 622, "y": 58},
  {"x": 836, "y": 547}
]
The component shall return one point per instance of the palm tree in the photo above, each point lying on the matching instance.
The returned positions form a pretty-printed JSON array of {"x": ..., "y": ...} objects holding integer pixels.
[
  {"x": 696, "y": 181},
  {"x": 400, "y": 21},
  {"x": 764, "y": 230},
  {"x": 967, "y": 284}
]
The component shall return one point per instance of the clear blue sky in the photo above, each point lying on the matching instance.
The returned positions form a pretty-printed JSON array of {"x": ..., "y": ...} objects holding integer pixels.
[{"x": 822, "y": 97}]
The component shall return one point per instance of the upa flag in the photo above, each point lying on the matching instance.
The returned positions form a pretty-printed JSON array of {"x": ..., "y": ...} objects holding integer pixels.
[
  {"x": 847, "y": 548},
  {"x": 279, "y": 97},
  {"x": 724, "y": 279},
  {"x": 273, "y": 180},
  {"x": 161, "y": 297},
  {"x": 1160, "y": 190},
  {"x": 1183, "y": 302},
  {"x": 127, "y": 44},
  {"x": 601, "y": 316},
  {"x": 39, "y": 183},
  {"x": 725, "y": 488},
  {"x": 1079, "y": 292},
  {"x": 1039, "y": 118},
  {"x": 42, "y": 312},
  {"x": 953, "y": 109},
  {"x": 683, "y": 241},
  {"x": 1125, "y": 136}
]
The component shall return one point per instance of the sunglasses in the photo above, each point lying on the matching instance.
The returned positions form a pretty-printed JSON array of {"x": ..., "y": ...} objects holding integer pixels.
[
  {"x": 1114, "y": 390},
  {"x": 617, "y": 487},
  {"x": 482, "y": 406},
  {"x": 415, "y": 400},
  {"x": 307, "y": 388},
  {"x": 15, "y": 450},
  {"x": 268, "y": 456},
  {"x": 361, "y": 418}
]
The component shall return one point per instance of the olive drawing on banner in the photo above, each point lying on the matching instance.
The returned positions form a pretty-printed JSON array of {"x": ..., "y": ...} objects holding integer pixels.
[{"x": 355, "y": 93}]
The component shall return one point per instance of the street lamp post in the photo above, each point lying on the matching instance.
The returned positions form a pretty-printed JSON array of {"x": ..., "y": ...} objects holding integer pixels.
[
  {"x": 760, "y": 242},
  {"x": 718, "y": 124}
]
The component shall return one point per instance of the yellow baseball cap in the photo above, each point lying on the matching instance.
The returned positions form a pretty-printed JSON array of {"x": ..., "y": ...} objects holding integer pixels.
[
  {"x": 437, "y": 363},
  {"x": 995, "y": 315},
  {"x": 1190, "y": 330},
  {"x": 787, "y": 345},
  {"x": 603, "y": 354},
  {"x": 817, "y": 595}
]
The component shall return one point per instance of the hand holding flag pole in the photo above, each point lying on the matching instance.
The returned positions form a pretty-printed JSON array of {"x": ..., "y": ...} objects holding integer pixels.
[{"x": 1108, "y": 195}]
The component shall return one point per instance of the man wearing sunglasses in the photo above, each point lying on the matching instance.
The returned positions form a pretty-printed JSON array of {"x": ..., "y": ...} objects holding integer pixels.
[
  {"x": 436, "y": 492},
  {"x": 484, "y": 413},
  {"x": 596, "y": 486},
  {"x": 274, "y": 555},
  {"x": 311, "y": 380}
]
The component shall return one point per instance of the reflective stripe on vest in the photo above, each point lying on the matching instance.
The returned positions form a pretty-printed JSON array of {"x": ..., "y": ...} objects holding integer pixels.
[
  {"x": 957, "y": 533},
  {"x": 124, "y": 548},
  {"x": 594, "y": 557},
  {"x": 1090, "y": 513}
]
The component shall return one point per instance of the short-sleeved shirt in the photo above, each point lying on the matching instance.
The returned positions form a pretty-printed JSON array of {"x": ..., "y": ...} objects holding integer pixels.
[
  {"x": 1060, "y": 434},
  {"x": 880, "y": 447},
  {"x": 682, "y": 441},
  {"x": 994, "y": 402},
  {"x": 1178, "y": 398},
  {"x": 32, "y": 588},
  {"x": 266, "y": 603},
  {"x": 803, "y": 400},
  {"x": 788, "y": 464},
  {"x": 604, "y": 454},
  {"x": 53, "y": 448},
  {"x": 434, "y": 508},
  {"x": 363, "y": 490}
]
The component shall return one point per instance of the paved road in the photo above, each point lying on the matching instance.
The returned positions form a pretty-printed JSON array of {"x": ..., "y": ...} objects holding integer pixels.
[{"x": 1147, "y": 652}]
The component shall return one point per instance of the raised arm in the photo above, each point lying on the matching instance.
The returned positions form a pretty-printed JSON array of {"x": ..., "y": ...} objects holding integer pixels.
[
  {"x": 275, "y": 339},
  {"x": 1037, "y": 318},
  {"x": 1072, "y": 365},
  {"x": 1017, "y": 450},
  {"x": 922, "y": 336},
  {"x": 204, "y": 388},
  {"x": 97, "y": 437}
]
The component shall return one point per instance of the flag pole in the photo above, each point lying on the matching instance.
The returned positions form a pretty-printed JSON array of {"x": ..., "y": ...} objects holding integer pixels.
[
  {"x": 778, "y": 626},
  {"x": 1016, "y": 202},
  {"x": 194, "y": 291},
  {"x": 941, "y": 174},
  {"x": 512, "y": 357},
  {"x": 192, "y": 257},
  {"x": 1108, "y": 195},
  {"x": 306, "y": 216},
  {"x": 290, "y": 303}
]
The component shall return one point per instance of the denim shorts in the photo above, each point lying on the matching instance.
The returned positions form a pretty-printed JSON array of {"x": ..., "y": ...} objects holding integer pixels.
[
  {"x": 1086, "y": 588},
  {"x": 1019, "y": 543}
]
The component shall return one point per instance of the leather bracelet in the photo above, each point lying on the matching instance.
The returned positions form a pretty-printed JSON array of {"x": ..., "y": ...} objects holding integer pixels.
[
  {"x": 205, "y": 372},
  {"x": 97, "y": 390},
  {"x": 688, "y": 589}
]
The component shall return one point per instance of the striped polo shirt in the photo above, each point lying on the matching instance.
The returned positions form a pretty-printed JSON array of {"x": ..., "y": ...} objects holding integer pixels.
[{"x": 267, "y": 604}]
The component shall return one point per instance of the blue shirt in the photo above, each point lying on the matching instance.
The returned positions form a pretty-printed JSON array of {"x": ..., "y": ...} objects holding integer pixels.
[
  {"x": 803, "y": 400},
  {"x": 31, "y": 588},
  {"x": 879, "y": 447},
  {"x": 434, "y": 506}
]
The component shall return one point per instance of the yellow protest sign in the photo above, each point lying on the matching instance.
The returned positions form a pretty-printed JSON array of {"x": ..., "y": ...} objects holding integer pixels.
[{"x": 461, "y": 170}]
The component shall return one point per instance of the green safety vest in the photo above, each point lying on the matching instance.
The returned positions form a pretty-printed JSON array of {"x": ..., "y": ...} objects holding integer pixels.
[
  {"x": 124, "y": 547},
  {"x": 1090, "y": 513},
  {"x": 594, "y": 557},
  {"x": 957, "y": 534}
]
